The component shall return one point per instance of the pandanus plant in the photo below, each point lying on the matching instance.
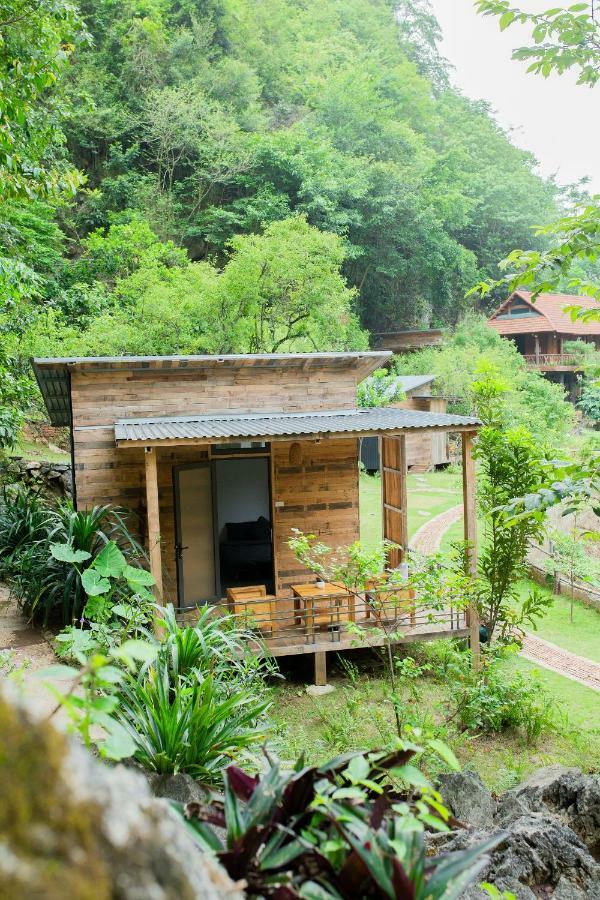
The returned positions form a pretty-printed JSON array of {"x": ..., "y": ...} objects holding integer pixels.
[{"x": 352, "y": 828}]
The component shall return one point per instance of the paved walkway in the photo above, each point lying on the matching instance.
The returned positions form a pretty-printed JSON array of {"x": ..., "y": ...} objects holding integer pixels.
[
  {"x": 587, "y": 672},
  {"x": 429, "y": 536},
  {"x": 550, "y": 656}
]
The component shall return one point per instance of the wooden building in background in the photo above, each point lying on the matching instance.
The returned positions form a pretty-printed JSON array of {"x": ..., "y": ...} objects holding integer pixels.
[
  {"x": 541, "y": 329},
  {"x": 218, "y": 458},
  {"x": 426, "y": 450}
]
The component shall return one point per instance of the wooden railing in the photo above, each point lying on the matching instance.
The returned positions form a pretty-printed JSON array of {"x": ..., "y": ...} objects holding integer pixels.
[
  {"x": 286, "y": 625},
  {"x": 541, "y": 360}
]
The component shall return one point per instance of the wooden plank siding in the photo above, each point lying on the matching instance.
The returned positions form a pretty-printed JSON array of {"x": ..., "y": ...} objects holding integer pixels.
[{"x": 320, "y": 494}]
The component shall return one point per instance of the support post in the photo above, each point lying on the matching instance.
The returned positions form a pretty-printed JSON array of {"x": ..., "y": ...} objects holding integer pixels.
[
  {"x": 320, "y": 668},
  {"x": 153, "y": 514},
  {"x": 470, "y": 533}
]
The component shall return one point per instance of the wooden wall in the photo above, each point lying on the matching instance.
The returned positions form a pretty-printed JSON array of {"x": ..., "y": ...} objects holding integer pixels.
[
  {"x": 319, "y": 494},
  {"x": 426, "y": 449}
]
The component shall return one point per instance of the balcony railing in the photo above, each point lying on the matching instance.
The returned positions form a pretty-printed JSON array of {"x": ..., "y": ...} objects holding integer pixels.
[{"x": 549, "y": 360}]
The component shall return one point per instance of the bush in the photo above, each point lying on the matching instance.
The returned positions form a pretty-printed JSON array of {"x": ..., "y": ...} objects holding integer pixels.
[
  {"x": 353, "y": 827},
  {"x": 46, "y": 586},
  {"x": 488, "y": 700},
  {"x": 201, "y": 702}
]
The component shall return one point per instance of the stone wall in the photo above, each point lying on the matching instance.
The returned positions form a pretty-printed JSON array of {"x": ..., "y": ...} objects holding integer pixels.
[{"x": 52, "y": 479}]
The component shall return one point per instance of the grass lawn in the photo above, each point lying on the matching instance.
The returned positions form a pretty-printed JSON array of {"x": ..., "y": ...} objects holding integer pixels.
[
  {"x": 40, "y": 452},
  {"x": 357, "y": 716},
  {"x": 581, "y": 636}
]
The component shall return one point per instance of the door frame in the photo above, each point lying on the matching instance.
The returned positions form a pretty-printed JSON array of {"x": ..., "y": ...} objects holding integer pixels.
[
  {"x": 211, "y": 465},
  {"x": 201, "y": 464}
]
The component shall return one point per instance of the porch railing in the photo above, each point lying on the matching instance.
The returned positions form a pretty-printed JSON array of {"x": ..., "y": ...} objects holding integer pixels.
[
  {"x": 541, "y": 360},
  {"x": 288, "y": 625}
]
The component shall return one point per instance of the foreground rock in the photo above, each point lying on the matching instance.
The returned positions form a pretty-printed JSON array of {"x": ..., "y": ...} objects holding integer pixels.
[
  {"x": 71, "y": 827},
  {"x": 552, "y": 825}
]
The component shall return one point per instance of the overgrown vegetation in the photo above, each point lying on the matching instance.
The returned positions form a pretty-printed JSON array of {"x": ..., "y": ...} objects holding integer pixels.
[{"x": 353, "y": 827}]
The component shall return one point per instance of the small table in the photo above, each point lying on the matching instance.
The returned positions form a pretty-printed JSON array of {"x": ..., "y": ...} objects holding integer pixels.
[{"x": 311, "y": 594}]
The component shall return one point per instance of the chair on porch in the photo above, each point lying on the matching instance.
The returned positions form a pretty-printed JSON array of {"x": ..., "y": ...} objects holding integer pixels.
[
  {"x": 253, "y": 605},
  {"x": 390, "y": 603}
]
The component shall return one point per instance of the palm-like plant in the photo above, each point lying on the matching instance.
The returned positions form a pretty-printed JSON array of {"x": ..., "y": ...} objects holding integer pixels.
[
  {"x": 187, "y": 726},
  {"x": 24, "y": 520}
]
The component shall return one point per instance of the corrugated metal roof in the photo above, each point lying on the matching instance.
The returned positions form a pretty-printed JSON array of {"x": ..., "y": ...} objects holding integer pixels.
[
  {"x": 275, "y": 425},
  {"x": 52, "y": 374},
  {"x": 410, "y": 383}
]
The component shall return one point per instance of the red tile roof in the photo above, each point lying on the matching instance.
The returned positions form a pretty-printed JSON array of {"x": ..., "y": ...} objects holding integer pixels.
[{"x": 552, "y": 316}]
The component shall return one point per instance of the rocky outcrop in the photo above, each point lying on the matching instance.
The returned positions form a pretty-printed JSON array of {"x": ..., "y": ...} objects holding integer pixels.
[
  {"x": 72, "y": 827},
  {"x": 552, "y": 833},
  {"x": 52, "y": 479}
]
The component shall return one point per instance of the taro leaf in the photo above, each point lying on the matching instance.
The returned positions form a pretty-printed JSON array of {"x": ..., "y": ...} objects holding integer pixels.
[
  {"x": 110, "y": 562},
  {"x": 241, "y": 784},
  {"x": 93, "y": 583},
  {"x": 137, "y": 577},
  {"x": 66, "y": 553}
]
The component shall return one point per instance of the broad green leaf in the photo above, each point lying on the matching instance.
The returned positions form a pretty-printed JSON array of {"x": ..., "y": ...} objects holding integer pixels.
[
  {"x": 118, "y": 743},
  {"x": 412, "y": 775},
  {"x": 136, "y": 651},
  {"x": 66, "y": 553},
  {"x": 110, "y": 562},
  {"x": 93, "y": 583},
  {"x": 138, "y": 577},
  {"x": 358, "y": 768}
]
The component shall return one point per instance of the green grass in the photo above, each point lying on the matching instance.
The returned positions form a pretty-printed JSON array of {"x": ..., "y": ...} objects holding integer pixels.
[
  {"x": 40, "y": 452},
  {"x": 357, "y": 716},
  {"x": 581, "y": 636}
]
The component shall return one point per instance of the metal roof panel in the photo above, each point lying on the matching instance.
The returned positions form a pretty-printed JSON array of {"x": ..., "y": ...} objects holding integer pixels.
[{"x": 282, "y": 425}]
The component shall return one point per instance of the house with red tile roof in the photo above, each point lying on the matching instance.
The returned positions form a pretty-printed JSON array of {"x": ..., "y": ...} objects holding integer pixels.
[{"x": 541, "y": 329}]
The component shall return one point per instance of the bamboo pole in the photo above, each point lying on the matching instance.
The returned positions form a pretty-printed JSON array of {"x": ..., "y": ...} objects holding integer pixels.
[{"x": 153, "y": 517}]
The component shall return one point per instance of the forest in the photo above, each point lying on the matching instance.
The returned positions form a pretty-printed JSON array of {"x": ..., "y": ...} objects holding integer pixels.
[{"x": 188, "y": 176}]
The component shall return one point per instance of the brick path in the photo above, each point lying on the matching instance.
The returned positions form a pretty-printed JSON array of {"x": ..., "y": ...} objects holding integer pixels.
[
  {"x": 577, "y": 668},
  {"x": 429, "y": 536}
]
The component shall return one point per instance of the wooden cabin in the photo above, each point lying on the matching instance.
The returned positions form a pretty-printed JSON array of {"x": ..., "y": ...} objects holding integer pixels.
[
  {"x": 426, "y": 450},
  {"x": 220, "y": 457},
  {"x": 407, "y": 341},
  {"x": 541, "y": 329}
]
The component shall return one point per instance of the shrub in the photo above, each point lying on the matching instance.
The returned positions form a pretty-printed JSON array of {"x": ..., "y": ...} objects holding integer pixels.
[
  {"x": 353, "y": 827},
  {"x": 187, "y": 726},
  {"x": 489, "y": 700},
  {"x": 24, "y": 521},
  {"x": 47, "y": 586}
]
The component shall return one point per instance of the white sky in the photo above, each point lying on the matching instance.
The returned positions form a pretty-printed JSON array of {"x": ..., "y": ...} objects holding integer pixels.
[{"x": 558, "y": 121}]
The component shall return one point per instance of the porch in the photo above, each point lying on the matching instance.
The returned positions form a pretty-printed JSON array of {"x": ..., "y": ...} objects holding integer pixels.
[{"x": 312, "y": 461}]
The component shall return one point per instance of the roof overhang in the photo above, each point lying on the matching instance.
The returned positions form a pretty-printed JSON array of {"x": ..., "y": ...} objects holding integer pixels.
[
  {"x": 178, "y": 430},
  {"x": 53, "y": 374}
]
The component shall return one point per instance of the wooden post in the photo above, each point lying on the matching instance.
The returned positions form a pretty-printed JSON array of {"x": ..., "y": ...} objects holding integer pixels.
[
  {"x": 321, "y": 668},
  {"x": 470, "y": 533},
  {"x": 153, "y": 514}
]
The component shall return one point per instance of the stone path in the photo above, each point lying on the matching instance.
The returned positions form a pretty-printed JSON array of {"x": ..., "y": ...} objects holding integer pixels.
[
  {"x": 30, "y": 651},
  {"x": 585, "y": 671},
  {"x": 550, "y": 656},
  {"x": 429, "y": 536}
]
